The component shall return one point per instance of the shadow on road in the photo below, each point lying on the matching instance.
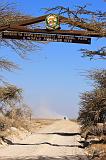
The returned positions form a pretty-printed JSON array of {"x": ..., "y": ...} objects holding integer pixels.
[
  {"x": 62, "y": 134},
  {"x": 79, "y": 157},
  {"x": 51, "y": 144}
]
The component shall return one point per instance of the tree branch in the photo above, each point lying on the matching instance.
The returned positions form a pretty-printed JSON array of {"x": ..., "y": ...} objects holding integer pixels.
[{"x": 88, "y": 53}]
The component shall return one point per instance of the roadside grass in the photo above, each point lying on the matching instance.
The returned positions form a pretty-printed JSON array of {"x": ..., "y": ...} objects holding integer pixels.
[
  {"x": 96, "y": 151},
  {"x": 73, "y": 120},
  {"x": 20, "y": 127}
]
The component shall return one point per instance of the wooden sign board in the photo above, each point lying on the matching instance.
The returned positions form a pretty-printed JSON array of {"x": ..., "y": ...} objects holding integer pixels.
[{"x": 45, "y": 37}]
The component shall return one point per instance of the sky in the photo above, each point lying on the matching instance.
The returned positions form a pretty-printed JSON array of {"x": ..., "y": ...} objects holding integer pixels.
[{"x": 53, "y": 76}]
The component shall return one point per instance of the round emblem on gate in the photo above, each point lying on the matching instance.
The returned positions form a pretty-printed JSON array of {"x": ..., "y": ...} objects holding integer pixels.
[{"x": 52, "y": 22}]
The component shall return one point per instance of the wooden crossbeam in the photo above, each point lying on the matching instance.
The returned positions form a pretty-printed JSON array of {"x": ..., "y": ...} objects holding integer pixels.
[
  {"x": 62, "y": 19},
  {"x": 21, "y": 26},
  {"x": 3, "y": 28},
  {"x": 83, "y": 25},
  {"x": 32, "y": 20}
]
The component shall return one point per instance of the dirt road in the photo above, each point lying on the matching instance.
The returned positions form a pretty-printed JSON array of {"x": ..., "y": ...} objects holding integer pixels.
[{"x": 57, "y": 141}]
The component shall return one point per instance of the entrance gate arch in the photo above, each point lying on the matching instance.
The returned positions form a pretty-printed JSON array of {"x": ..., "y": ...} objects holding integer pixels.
[{"x": 20, "y": 31}]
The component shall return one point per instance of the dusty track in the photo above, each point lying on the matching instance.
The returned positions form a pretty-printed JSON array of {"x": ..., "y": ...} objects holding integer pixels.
[{"x": 59, "y": 140}]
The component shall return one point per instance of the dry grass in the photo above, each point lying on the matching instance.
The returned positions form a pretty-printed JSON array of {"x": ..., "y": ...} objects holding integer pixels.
[
  {"x": 99, "y": 147},
  {"x": 73, "y": 120},
  {"x": 17, "y": 128},
  {"x": 101, "y": 150},
  {"x": 97, "y": 152},
  {"x": 13, "y": 128}
]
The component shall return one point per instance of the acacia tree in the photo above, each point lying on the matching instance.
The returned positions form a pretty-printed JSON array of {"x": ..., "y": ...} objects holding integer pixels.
[
  {"x": 9, "y": 15},
  {"x": 93, "y": 103},
  {"x": 81, "y": 18},
  {"x": 10, "y": 97}
]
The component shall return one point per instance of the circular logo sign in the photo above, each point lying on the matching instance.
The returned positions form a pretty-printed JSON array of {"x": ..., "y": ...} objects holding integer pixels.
[{"x": 52, "y": 22}]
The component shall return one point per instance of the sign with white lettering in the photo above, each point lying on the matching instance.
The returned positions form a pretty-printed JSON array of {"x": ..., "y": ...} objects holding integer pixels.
[{"x": 45, "y": 37}]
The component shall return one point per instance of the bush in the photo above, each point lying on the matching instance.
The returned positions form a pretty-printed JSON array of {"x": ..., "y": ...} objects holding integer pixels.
[{"x": 93, "y": 105}]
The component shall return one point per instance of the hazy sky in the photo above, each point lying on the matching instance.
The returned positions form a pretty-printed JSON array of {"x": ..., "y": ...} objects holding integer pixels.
[{"x": 52, "y": 79}]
